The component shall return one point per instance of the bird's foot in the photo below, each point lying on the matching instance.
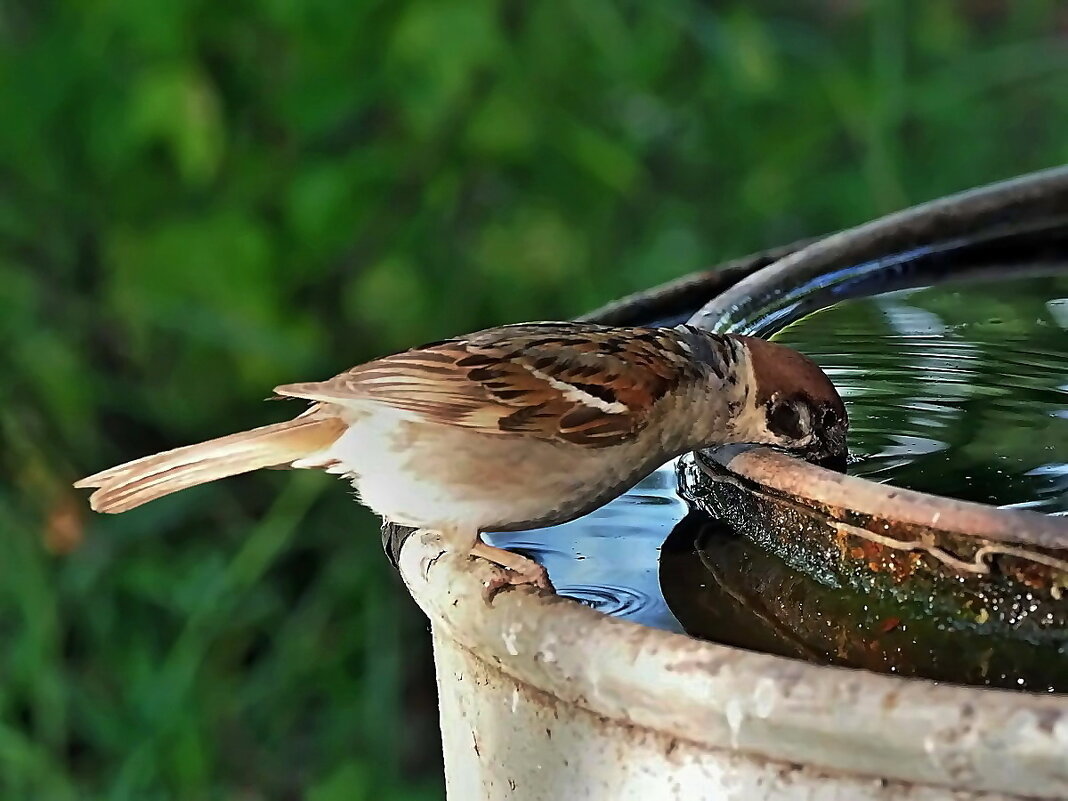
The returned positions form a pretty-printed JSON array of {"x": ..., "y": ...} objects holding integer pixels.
[
  {"x": 517, "y": 570},
  {"x": 507, "y": 577}
]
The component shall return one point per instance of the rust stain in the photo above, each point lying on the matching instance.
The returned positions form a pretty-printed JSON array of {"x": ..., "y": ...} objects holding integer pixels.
[
  {"x": 898, "y": 564},
  {"x": 1031, "y": 574},
  {"x": 889, "y": 624}
]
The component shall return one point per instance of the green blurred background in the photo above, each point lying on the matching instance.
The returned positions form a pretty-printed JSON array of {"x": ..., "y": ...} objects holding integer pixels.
[{"x": 200, "y": 200}]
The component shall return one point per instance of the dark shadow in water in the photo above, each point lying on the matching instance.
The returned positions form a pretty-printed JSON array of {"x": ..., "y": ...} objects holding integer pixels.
[{"x": 724, "y": 588}]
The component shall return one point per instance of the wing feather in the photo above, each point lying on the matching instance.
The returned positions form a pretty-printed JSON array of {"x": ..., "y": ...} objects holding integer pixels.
[{"x": 579, "y": 383}]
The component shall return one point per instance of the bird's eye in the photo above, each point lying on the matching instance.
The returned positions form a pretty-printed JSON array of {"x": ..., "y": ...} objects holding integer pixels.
[
  {"x": 830, "y": 418},
  {"x": 786, "y": 419}
]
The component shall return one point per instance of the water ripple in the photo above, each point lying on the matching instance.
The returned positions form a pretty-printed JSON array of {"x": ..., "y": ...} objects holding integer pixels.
[
  {"x": 612, "y": 599},
  {"x": 609, "y": 559},
  {"x": 956, "y": 389}
]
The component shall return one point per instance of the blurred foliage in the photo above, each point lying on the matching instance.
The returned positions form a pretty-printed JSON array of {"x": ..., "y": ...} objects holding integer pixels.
[{"x": 199, "y": 200}]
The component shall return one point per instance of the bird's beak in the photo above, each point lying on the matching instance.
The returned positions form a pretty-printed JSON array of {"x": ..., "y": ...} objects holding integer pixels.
[{"x": 829, "y": 450}]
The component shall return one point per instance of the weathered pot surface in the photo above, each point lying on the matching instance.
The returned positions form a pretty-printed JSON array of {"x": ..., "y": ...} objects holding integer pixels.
[{"x": 543, "y": 698}]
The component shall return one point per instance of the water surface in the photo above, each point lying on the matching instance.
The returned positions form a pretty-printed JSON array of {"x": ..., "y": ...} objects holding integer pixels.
[
  {"x": 959, "y": 389},
  {"x": 609, "y": 558}
]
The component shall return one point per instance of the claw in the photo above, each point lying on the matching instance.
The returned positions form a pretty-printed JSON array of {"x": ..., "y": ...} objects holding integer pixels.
[{"x": 535, "y": 575}]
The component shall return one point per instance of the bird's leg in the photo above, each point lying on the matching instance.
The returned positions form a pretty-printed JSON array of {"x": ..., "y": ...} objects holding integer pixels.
[{"x": 517, "y": 569}]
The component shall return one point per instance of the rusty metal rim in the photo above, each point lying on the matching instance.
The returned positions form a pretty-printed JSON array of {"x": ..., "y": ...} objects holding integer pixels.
[{"x": 814, "y": 485}]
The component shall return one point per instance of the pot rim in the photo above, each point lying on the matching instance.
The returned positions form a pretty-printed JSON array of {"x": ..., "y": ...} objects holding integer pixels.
[
  {"x": 811, "y": 484},
  {"x": 835, "y": 719}
]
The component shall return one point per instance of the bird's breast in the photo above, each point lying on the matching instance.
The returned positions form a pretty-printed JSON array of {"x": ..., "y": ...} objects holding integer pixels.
[{"x": 437, "y": 476}]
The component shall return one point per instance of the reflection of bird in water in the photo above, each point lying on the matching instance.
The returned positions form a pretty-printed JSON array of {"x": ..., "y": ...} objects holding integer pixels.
[{"x": 516, "y": 427}]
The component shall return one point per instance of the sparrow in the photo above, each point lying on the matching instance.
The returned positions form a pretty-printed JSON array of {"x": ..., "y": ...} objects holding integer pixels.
[{"x": 516, "y": 427}]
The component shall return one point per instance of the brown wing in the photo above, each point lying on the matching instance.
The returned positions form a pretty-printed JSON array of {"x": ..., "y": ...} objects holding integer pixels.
[{"x": 585, "y": 384}]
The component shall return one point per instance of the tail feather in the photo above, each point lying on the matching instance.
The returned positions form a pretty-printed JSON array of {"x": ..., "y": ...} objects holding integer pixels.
[{"x": 142, "y": 480}]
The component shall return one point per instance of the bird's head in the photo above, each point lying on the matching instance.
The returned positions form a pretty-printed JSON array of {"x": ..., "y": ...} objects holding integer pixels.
[{"x": 792, "y": 405}]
